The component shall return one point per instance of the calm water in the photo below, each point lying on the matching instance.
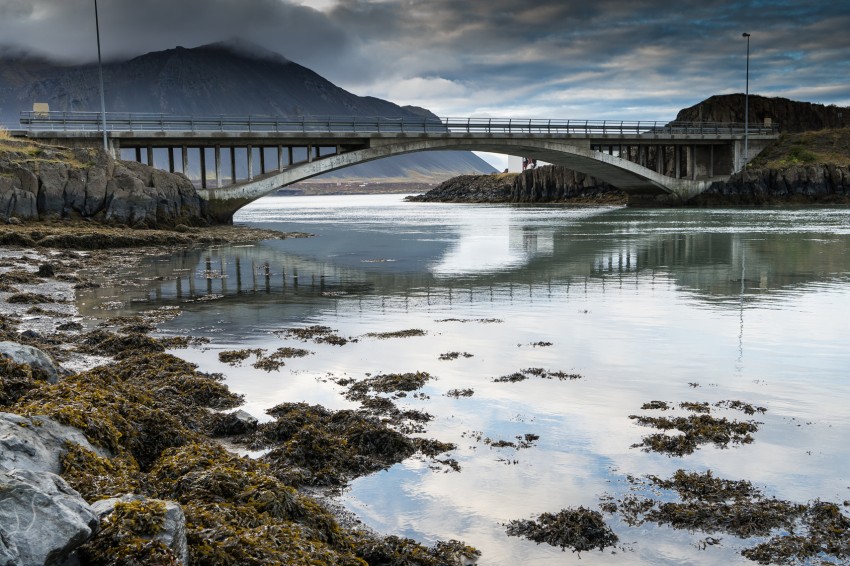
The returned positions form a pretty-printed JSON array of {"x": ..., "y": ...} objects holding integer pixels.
[{"x": 673, "y": 305}]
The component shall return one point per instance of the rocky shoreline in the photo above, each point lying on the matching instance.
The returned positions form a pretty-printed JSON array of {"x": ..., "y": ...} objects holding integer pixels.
[
  {"x": 795, "y": 185},
  {"x": 547, "y": 184},
  {"x": 114, "y": 448}
]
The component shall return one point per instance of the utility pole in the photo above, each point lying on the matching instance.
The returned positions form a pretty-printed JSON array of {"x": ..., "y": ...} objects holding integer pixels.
[
  {"x": 100, "y": 72},
  {"x": 747, "y": 107}
]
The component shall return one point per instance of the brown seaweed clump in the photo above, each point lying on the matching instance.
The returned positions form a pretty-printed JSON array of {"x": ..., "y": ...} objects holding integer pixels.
[
  {"x": 801, "y": 532},
  {"x": 454, "y": 355},
  {"x": 235, "y": 357},
  {"x": 399, "y": 384},
  {"x": 528, "y": 373},
  {"x": 578, "y": 529},
  {"x": 127, "y": 536},
  {"x": 315, "y": 446},
  {"x": 695, "y": 429},
  {"x": 317, "y": 333},
  {"x": 139, "y": 405},
  {"x": 397, "y": 334},
  {"x": 458, "y": 393}
]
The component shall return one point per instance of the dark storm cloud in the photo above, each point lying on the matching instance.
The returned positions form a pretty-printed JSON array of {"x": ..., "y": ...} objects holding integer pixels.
[
  {"x": 556, "y": 58},
  {"x": 65, "y": 28}
]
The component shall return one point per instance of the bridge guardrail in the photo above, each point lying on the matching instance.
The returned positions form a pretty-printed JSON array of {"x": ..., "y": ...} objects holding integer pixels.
[{"x": 135, "y": 122}]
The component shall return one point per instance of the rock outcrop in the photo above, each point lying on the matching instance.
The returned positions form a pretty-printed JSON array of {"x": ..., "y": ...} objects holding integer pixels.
[
  {"x": 825, "y": 184},
  {"x": 42, "y": 519},
  {"x": 36, "y": 443},
  {"x": 470, "y": 188},
  {"x": 789, "y": 115},
  {"x": 39, "y": 182},
  {"x": 33, "y": 357},
  {"x": 545, "y": 184},
  {"x": 559, "y": 184}
]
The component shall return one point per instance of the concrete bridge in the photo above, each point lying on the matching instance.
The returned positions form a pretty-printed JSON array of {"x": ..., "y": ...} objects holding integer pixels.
[{"x": 234, "y": 160}]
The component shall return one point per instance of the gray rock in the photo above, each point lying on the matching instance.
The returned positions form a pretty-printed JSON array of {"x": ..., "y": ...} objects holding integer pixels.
[
  {"x": 53, "y": 177},
  {"x": 43, "y": 519},
  {"x": 33, "y": 357},
  {"x": 36, "y": 443},
  {"x": 237, "y": 422},
  {"x": 8, "y": 550},
  {"x": 173, "y": 534}
]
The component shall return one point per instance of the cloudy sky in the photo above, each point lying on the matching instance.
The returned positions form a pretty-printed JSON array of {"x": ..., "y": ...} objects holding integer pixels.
[{"x": 617, "y": 59}]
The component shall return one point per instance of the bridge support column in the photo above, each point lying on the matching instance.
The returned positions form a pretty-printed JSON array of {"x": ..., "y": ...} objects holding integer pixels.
[
  {"x": 659, "y": 159},
  {"x": 185, "y": 156},
  {"x": 150, "y": 155},
  {"x": 218, "y": 182},
  {"x": 677, "y": 157},
  {"x": 250, "y": 163},
  {"x": 280, "y": 158}
]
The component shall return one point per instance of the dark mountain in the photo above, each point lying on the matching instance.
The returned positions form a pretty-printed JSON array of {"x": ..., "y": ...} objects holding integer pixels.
[
  {"x": 789, "y": 115},
  {"x": 234, "y": 77}
]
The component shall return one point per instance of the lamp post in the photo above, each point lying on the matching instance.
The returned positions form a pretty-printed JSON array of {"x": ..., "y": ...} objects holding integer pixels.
[
  {"x": 747, "y": 107},
  {"x": 100, "y": 72}
]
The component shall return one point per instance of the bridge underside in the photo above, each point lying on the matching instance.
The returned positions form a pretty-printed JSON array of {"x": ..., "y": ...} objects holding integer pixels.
[{"x": 625, "y": 174}]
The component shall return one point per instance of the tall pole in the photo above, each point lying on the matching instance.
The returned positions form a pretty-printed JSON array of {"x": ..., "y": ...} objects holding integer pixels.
[
  {"x": 747, "y": 107},
  {"x": 100, "y": 72}
]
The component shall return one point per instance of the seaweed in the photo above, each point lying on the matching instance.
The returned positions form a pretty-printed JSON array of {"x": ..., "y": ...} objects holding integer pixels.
[
  {"x": 528, "y": 373},
  {"x": 578, "y": 529},
  {"x": 127, "y": 537},
  {"x": 696, "y": 430},
  {"x": 397, "y": 334},
  {"x": 454, "y": 355},
  {"x": 234, "y": 357}
]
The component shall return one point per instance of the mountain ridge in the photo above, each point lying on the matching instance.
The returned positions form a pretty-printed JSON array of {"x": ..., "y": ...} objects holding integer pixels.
[{"x": 230, "y": 77}]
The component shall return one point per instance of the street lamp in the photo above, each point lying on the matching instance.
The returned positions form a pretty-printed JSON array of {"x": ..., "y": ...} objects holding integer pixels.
[
  {"x": 747, "y": 106},
  {"x": 100, "y": 71}
]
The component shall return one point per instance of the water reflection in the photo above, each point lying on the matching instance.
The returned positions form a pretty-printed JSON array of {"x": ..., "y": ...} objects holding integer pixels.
[
  {"x": 677, "y": 305},
  {"x": 506, "y": 252}
]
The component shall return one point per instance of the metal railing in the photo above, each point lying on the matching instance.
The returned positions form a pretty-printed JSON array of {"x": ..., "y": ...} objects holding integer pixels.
[{"x": 161, "y": 123}]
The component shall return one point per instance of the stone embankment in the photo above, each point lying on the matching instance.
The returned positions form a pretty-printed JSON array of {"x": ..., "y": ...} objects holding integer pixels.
[{"x": 42, "y": 182}]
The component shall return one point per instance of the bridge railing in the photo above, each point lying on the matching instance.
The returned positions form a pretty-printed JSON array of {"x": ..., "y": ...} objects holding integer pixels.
[{"x": 136, "y": 122}]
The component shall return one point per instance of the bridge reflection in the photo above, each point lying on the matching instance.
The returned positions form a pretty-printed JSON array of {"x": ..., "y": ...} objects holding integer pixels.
[{"x": 716, "y": 268}]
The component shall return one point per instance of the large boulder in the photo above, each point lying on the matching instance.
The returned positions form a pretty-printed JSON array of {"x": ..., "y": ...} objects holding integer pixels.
[
  {"x": 33, "y": 357},
  {"x": 173, "y": 532},
  {"x": 42, "y": 519},
  {"x": 91, "y": 184},
  {"x": 36, "y": 443}
]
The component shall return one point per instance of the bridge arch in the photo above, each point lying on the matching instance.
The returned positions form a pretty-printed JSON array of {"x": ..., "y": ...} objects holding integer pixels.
[{"x": 626, "y": 175}]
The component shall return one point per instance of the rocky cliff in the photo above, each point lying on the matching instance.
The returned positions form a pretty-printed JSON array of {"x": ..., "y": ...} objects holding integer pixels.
[
  {"x": 789, "y": 115},
  {"x": 550, "y": 183},
  {"x": 470, "y": 188},
  {"x": 559, "y": 184},
  {"x": 39, "y": 182},
  {"x": 799, "y": 184}
]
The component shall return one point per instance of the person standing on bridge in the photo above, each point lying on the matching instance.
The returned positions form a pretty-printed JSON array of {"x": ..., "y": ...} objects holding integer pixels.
[{"x": 524, "y": 163}]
